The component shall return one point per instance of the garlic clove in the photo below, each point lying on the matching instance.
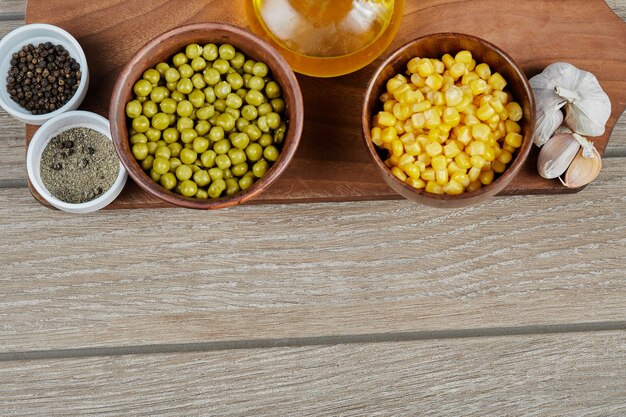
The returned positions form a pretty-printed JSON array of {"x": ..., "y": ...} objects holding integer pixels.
[
  {"x": 557, "y": 155},
  {"x": 583, "y": 170},
  {"x": 549, "y": 114}
]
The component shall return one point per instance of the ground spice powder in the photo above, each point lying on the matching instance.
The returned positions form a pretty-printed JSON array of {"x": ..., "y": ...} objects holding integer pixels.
[{"x": 78, "y": 165}]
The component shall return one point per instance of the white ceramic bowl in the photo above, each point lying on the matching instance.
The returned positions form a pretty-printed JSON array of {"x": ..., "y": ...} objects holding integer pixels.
[
  {"x": 49, "y": 130},
  {"x": 39, "y": 33}
]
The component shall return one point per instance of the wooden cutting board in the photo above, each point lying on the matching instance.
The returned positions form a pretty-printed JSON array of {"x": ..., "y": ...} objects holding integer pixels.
[{"x": 331, "y": 163}]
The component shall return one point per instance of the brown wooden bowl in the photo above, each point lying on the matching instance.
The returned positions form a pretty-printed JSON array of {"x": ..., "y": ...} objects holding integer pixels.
[
  {"x": 164, "y": 47},
  {"x": 435, "y": 46}
]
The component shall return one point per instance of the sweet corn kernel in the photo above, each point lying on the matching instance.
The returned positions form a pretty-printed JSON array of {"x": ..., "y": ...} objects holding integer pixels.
[
  {"x": 457, "y": 70},
  {"x": 411, "y": 66},
  {"x": 397, "y": 149},
  {"x": 464, "y": 135},
  {"x": 376, "y": 136},
  {"x": 509, "y": 148},
  {"x": 395, "y": 83},
  {"x": 469, "y": 110},
  {"x": 501, "y": 95},
  {"x": 441, "y": 176},
  {"x": 434, "y": 81},
  {"x": 434, "y": 149},
  {"x": 412, "y": 148},
  {"x": 503, "y": 115},
  {"x": 497, "y": 81},
  {"x": 386, "y": 119},
  {"x": 420, "y": 164},
  {"x": 418, "y": 121},
  {"x": 478, "y": 161},
  {"x": 453, "y": 188},
  {"x": 451, "y": 116},
  {"x": 439, "y": 99},
  {"x": 428, "y": 174},
  {"x": 460, "y": 177},
  {"x": 425, "y": 67},
  {"x": 399, "y": 174},
  {"x": 475, "y": 148},
  {"x": 515, "y": 111},
  {"x": 399, "y": 127},
  {"x": 402, "y": 111},
  {"x": 423, "y": 141},
  {"x": 512, "y": 127},
  {"x": 432, "y": 118},
  {"x": 473, "y": 174},
  {"x": 411, "y": 170},
  {"x": 471, "y": 65},
  {"x": 451, "y": 150},
  {"x": 421, "y": 106},
  {"x": 388, "y": 105},
  {"x": 514, "y": 139},
  {"x": 471, "y": 120},
  {"x": 433, "y": 187},
  {"x": 491, "y": 140},
  {"x": 478, "y": 86},
  {"x": 464, "y": 57},
  {"x": 465, "y": 102},
  {"x": 405, "y": 159},
  {"x": 453, "y": 167},
  {"x": 407, "y": 137},
  {"x": 469, "y": 78},
  {"x": 418, "y": 81},
  {"x": 384, "y": 97},
  {"x": 498, "y": 167},
  {"x": 439, "y": 162},
  {"x": 476, "y": 185},
  {"x": 405, "y": 94},
  {"x": 438, "y": 65},
  {"x": 486, "y": 177},
  {"x": 453, "y": 95},
  {"x": 489, "y": 154},
  {"x": 416, "y": 183},
  {"x": 448, "y": 61},
  {"x": 483, "y": 71},
  {"x": 463, "y": 161},
  {"x": 496, "y": 104},
  {"x": 480, "y": 131},
  {"x": 388, "y": 134},
  {"x": 445, "y": 128},
  {"x": 448, "y": 81}
]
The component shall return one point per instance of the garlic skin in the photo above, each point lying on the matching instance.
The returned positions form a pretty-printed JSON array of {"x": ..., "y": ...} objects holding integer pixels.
[
  {"x": 557, "y": 155},
  {"x": 587, "y": 106},
  {"x": 549, "y": 116},
  {"x": 583, "y": 169}
]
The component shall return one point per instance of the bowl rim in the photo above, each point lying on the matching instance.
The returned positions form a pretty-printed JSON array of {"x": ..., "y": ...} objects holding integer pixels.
[
  {"x": 446, "y": 200},
  {"x": 117, "y": 117},
  {"x": 45, "y": 133},
  {"x": 9, "y": 42}
]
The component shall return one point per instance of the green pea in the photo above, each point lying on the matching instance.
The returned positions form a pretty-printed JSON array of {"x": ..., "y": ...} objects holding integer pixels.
[
  {"x": 279, "y": 134},
  {"x": 249, "y": 112},
  {"x": 254, "y": 151},
  {"x": 168, "y": 180},
  {"x": 171, "y": 135},
  {"x": 223, "y": 161},
  {"x": 184, "y": 86},
  {"x": 160, "y": 121},
  {"x": 246, "y": 182},
  {"x": 168, "y": 106},
  {"x": 174, "y": 163},
  {"x": 150, "y": 108},
  {"x": 172, "y": 75},
  {"x": 211, "y": 76},
  {"x": 253, "y": 132},
  {"x": 140, "y": 151},
  {"x": 188, "y": 188},
  {"x": 180, "y": 59},
  {"x": 270, "y": 153},
  {"x": 226, "y": 122},
  {"x": 265, "y": 140},
  {"x": 171, "y": 87},
  {"x": 196, "y": 98},
  {"x": 265, "y": 109},
  {"x": 202, "y": 127},
  {"x": 242, "y": 92},
  {"x": 133, "y": 109},
  {"x": 260, "y": 168},
  {"x": 153, "y": 134},
  {"x": 254, "y": 97},
  {"x": 216, "y": 188},
  {"x": 222, "y": 89},
  {"x": 152, "y": 76},
  {"x": 202, "y": 178},
  {"x": 239, "y": 169},
  {"x": 233, "y": 101},
  {"x": 256, "y": 83},
  {"x": 227, "y": 52},
  {"x": 216, "y": 134},
  {"x": 184, "y": 123},
  {"x": 238, "y": 60},
  {"x": 198, "y": 63},
  {"x": 208, "y": 158},
  {"x": 138, "y": 138},
  {"x": 185, "y": 71},
  {"x": 141, "y": 99},
  {"x": 161, "y": 143},
  {"x": 156, "y": 177},
  {"x": 272, "y": 90},
  {"x": 198, "y": 81},
  {"x": 216, "y": 174},
  {"x": 202, "y": 194},
  {"x": 240, "y": 140},
  {"x": 233, "y": 112},
  {"x": 140, "y": 124},
  {"x": 159, "y": 93},
  {"x": 221, "y": 146},
  {"x": 273, "y": 120},
  {"x": 152, "y": 147},
  {"x": 228, "y": 174},
  {"x": 221, "y": 65},
  {"x": 235, "y": 80},
  {"x": 175, "y": 148},
  {"x": 213, "y": 119},
  {"x": 248, "y": 66},
  {"x": 241, "y": 124},
  {"x": 177, "y": 96},
  {"x": 142, "y": 88},
  {"x": 232, "y": 186},
  {"x": 237, "y": 156},
  {"x": 162, "y": 67},
  {"x": 188, "y": 135},
  {"x": 184, "y": 108},
  {"x": 200, "y": 144},
  {"x": 278, "y": 104},
  {"x": 204, "y": 113},
  {"x": 209, "y": 52},
  {"x": 220, "y": 105},
  {"x": 163, "y": 152},
  {"x": 184, "y": 172},
  {"x": 260, "y": 69},
  {"x": 209, "y": 95},
  {"x": 160, "y": 165},
  {"x": 262, "y": 123},
  {"x": 188, "y": 156},
  {"x": 146, "y": 163}
]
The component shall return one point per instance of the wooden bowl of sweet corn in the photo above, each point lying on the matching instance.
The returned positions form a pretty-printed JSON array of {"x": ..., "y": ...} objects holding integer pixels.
[{"x": 448, "y": 119}]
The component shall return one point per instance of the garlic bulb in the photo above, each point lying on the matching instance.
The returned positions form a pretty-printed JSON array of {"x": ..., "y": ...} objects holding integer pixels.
[
  {"x": 557, "y": 155},
  {"x": 587, "y": 107},
  {"x": 583, "y": 169}
]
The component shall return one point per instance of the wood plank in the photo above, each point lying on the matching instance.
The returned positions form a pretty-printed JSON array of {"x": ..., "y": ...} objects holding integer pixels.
[
  {"x": 580, "y": 374},
  {"x": 12, "y": 8},
  {"x": 331, "y": 163},
  {"x": 619, "y": 7},
  {"x": 168, "y": 276}
]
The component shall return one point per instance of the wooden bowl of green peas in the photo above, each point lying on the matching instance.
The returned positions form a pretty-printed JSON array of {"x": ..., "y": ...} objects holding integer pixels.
[{"x": 206, "y": 116}]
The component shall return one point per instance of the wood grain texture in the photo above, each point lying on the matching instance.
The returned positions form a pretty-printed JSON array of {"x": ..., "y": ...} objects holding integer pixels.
[
  {"x": 12, "y": 8},
  {"x": 538, "y": 375},
  {"x": 331, "y": 163},
  {"x": 166, "y": 276}
]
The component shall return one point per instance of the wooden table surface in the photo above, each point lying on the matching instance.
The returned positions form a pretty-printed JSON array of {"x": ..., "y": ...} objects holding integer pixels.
[{"x": 515, "y": 307}]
